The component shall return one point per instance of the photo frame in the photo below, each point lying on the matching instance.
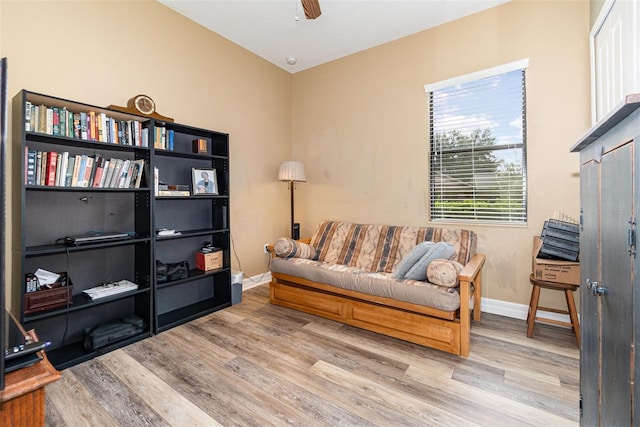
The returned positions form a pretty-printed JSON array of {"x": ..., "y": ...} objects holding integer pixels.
[{"x": 204, "y": 181}]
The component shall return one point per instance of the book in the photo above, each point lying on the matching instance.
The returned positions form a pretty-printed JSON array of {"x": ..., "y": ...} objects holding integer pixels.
[
  {"x": 77, "y": 129},
  {"x": 69, "y": 172},
  {"x": 27, "y": 116},
  {"x": 63, "y": 121},
  {"x": 123, "y": 174},
  {"x": 97, "y": 177},
  {"x": 30, "y": 170},
  {"x": 61, "y": 170},
  {"x": 43, "y": 167},
  {"x": 127, "y": 180},
  {"x": 145, "y": 137},
  {"x": 105, "y": 170},
  {"x": 55, "y": 121},
  {"x": 109, "y": 174},
  {"x": 173, "y": 193},
  {"x": 94, "y": 169},
  {"x": 76, "y": 171},
  {"x": 38, "y": 167},
  {"x": 170, "y": 140},
  {"x": 87, "y": 171},
  {"x": 52, "y": 161},
  {"x": 81, "y": 170},
  {"x": 48, "y": 121},
  {"x": 92, "y": 129},
  {"x": 84, "y": 127},
  {"x": 116, "y": 174}
]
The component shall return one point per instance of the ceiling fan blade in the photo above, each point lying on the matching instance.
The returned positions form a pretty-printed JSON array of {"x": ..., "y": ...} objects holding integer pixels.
[{"x": 311, "y": 8}]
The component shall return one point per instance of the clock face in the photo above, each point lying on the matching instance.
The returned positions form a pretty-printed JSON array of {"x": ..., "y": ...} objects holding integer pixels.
[{"x": 144, "y": 104}]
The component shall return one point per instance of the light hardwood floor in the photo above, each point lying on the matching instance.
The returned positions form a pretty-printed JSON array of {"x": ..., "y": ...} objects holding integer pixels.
[{"x": 255, "y": 364}]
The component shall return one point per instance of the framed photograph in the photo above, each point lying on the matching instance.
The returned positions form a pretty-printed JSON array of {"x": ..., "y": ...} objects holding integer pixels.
[{"x": 204, "y": 181}]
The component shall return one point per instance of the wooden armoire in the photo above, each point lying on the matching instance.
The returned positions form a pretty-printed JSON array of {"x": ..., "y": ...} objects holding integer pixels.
[{"x": 610, "y": 295}]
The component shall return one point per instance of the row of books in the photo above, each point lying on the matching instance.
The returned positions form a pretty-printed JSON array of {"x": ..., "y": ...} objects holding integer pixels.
[
  {"x": 163, "y": 138},
  {"x": 50, "y": 168},
  {"x": 90, "y": 126}
]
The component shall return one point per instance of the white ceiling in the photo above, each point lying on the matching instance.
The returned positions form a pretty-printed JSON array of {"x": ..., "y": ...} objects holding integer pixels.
[{"x": 269, "y": 28}]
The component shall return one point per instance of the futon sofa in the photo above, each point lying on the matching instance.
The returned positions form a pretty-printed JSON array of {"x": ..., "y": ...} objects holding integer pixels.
[{"x": 419, "y": 284}]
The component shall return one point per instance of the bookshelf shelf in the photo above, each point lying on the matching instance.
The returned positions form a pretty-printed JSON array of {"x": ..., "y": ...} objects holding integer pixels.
[{"x": 54, "y": 205}]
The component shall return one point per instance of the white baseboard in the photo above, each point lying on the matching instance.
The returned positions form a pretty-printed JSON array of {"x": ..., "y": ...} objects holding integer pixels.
[
  {"x": 493, "y": 306},
  {"x": 257, "y": 280},
  {"x": 518, "y": 311}
]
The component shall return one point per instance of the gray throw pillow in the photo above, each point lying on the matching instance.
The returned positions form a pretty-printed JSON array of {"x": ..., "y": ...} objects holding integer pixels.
[
  {"x": 440, "y": 250},
  {"x": 411, "y": 258}
]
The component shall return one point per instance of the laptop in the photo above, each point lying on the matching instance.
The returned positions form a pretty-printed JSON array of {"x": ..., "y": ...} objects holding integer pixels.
[
  {"x": 20, "y": 350},
  {"x": 95, "y": 237}
]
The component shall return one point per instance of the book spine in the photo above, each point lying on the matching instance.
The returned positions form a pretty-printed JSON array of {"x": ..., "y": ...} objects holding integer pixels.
[
  {"x": 55, "y": 121},
  {"x": 116, "y": 174},
  {"x": 63, "y": 121},
  {"x": 107, "y": 180},
  {"x": 69, "y": 172},
  {"x": 123, "y": 174},
  {"x": 105, "y": 171},
  {"x": 52, "y": 161},
  {"x": 30, "y": 177},
  {"x": 49, "y": 121},
  {"x": 94, "y": 169},
  {"x": 87, "y": 171},
  {"x": 76, "y": 170},
  {"x": 84, "y": 126},
  {"x": 43, "y": 172},
  {"x": 38, "y": 167},
  {"x": 27, "y": 116}
]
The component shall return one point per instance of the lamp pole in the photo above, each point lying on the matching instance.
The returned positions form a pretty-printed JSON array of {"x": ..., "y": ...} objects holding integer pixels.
[{"x": 293, "y": 231}]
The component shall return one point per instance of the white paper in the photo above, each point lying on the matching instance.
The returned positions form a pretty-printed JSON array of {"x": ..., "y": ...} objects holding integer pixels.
[{"x": 46, "y": 278}]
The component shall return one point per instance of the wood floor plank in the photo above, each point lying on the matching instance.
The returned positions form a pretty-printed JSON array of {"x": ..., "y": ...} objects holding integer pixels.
[
  {"x": 69, "y": 403},
  {"x": 172, "y": 406},
  {"x": 123, "y": 404},
  {"x": 508, "y": 408},
  {"x": 425, "y": 413},
  {"x": 257, "y": 364}
]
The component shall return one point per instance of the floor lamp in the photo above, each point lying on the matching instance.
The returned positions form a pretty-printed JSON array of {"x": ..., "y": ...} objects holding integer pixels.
[{"x": 292, "y": 172}]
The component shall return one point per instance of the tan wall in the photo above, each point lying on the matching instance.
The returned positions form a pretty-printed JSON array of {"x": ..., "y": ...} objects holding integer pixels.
[
  {"x": 359, "y": 123},
  {"x": 360, "y": 126},
  {"x": 104, "y": 52}
]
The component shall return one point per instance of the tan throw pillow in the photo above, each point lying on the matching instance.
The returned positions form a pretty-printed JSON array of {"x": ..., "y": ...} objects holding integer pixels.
[
  {"x": 289, "y": 248},
  {"x": 444, "y": 272}
]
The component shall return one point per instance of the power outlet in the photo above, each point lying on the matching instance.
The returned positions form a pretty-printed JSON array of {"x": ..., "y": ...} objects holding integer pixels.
[{"x": 266, "y": 248}]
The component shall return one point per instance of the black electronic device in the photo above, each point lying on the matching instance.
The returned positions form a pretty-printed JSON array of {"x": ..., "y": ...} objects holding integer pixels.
[
  {"x": 295, "y": 231},
  {"x": 95, "y": 237},
  {"x": 20, "y": 349}
]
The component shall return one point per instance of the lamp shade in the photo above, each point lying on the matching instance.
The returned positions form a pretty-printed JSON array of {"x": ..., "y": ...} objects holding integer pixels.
[{"x": 291, "y": 171}]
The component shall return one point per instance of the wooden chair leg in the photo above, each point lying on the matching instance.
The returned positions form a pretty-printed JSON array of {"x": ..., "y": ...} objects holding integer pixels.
[
  {"x": 571, "y": 305},
  {"x": 533, "y": 308}
]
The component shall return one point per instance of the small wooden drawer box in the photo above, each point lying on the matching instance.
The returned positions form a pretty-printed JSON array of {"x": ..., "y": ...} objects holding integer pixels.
[{"x": 48, "y": 299}]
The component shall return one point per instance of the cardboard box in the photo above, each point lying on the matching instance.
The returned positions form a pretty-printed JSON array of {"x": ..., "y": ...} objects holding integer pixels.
[
  {"x": 208, "y": 261},
  {"x": 555, "y": 271}
]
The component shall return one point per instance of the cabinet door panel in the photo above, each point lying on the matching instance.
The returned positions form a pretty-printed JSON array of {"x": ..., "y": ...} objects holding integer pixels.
[
  {"x": 616, "y": 305},
  {"x": 590, "y": 269}
]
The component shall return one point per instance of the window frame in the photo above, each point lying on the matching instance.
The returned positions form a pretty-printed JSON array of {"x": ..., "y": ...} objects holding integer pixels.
[{"x": 521, "y": 65}]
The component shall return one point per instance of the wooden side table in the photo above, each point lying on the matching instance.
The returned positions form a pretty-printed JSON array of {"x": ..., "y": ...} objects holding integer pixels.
[
  {"x": 568, "y": 289},
  {"x": 22, "y": 400}
]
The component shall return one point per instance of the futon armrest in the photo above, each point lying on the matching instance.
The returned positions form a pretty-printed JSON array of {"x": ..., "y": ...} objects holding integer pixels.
[{"x": 472, "y": 269}]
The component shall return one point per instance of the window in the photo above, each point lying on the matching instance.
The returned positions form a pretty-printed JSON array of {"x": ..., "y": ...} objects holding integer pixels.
[{"x": 477, "y": 152}]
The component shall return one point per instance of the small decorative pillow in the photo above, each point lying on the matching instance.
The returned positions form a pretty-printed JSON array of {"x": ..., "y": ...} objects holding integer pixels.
[
  {"x": 289, "y": 248},
  {"x": 439, "y": 250},
  {"x": 444, "y": 272},
  {"x": 411, "y": 258}
]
